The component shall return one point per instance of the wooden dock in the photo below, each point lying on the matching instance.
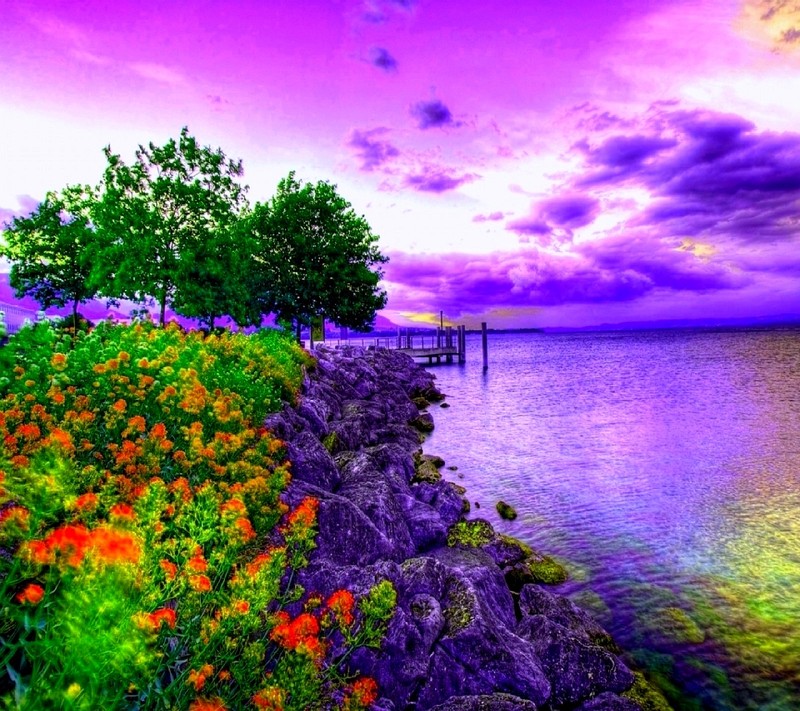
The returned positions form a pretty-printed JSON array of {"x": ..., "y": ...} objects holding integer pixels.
[{"x": 444, "y": 344}]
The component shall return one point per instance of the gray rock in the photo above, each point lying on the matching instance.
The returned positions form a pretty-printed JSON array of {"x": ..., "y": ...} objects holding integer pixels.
[{"x": 491, "y": 702}]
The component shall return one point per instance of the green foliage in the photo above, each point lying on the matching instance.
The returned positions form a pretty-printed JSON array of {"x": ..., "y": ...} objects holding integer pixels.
[
  {"x": 472, "y": 534},
  {"x": 167, "y": 225},
  {"x": 147, "y": 557},
  {"x": 53, "y": 249},
  {"x": 315, "y": 256}
]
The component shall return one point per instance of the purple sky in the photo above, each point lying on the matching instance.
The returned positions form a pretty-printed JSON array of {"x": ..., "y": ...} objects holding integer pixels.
[{"x": 529, "y": 163}]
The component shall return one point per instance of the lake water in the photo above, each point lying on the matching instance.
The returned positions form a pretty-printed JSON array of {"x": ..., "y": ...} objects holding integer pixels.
[{"x": 663, "y": 469}]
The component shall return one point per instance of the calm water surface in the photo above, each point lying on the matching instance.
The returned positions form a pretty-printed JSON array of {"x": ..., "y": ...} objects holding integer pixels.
[{"x": 663, "y": 468}]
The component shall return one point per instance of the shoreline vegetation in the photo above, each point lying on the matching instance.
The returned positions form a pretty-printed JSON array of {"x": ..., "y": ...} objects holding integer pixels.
[{"x": 222, "y": 521}]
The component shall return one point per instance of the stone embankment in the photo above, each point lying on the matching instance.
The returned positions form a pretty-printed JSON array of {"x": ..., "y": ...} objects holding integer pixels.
[{"x": 471, "y": 630}]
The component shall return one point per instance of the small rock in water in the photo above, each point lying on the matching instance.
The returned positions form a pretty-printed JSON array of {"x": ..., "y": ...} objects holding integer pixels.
[
  {"x": 506, "y": 511},
  {"x": 477, "y": 504},
  {"x": 444, "y": 404},
  {"x": 453, "y": 468}
]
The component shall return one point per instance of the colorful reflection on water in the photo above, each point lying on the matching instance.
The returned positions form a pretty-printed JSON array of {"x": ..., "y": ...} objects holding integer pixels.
[{"x": 664, "y": 468}]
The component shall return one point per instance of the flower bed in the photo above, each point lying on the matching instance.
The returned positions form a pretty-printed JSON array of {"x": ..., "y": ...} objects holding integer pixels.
[{"x": 146, "y": 557}]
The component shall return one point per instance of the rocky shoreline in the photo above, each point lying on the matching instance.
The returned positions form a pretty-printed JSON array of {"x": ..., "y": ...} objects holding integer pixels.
[{"x": 473, "y": 629}]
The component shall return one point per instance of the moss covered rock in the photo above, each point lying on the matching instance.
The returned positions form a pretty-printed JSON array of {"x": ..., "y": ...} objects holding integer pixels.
[
  {"x": 506, "y": 511},
  {"x": 541, "y": 569},
  {"x": 471, "y": 534},
  {"x": 672, "y": 625},
  {"x": 647, "y": 696}
]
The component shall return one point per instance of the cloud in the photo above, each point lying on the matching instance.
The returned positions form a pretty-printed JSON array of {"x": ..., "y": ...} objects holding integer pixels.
[
  {"x": 553, "y": 220},
  {"x": 435, "y": 179},
  {"x": 372, "y": 151},
  {"x": 431, "y": 114},
  {"x": 491, "y": 217},
  {"x": 157, "y": 72},
  {"x": 709, "y": 175},
  {"x": 778, "y": 20},
  {"x": 380, "y": 57},
  {"x": 380, "y": 11},
  {"x": 26, "y": 205}
]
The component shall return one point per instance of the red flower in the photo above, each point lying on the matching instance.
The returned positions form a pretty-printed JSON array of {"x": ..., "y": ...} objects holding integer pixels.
[
  {"x": 197, "y": 677},
  {"x": 31, "y": 595},
  {"x": 163, "y": 615},
  {"x": 70, "y": 542},
  {"x": 120, "y": 405},
  {"x": 305, "y": 514},
  {"x": 201, "y": 583},
  {"x": 169, "y": 568},
  {"x": 111, "y": 546},
  {"x": 297, "y": 633},
  {"x": 241, "y": 606},
  {"x": 215, "y": 704},
  {"x": 86, "y": 502},
  {"x": 365, "y": 690},
  {"x": 341, "y": 604},
  {"x": 197, "y": 564},
  {"x": 271, "y": 699},
  {"x": 122, "y": 512}
]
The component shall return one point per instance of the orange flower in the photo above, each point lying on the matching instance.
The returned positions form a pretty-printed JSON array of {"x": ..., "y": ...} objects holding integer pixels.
[
  {"x": 271, "y": 699},
  {"x": 31, "y": 595},
  {"x": 201, "y": 583},
  {"x": 233, "y": 505},
  {"x": 58, "y": 398},
  {"x": 159, "y": 431},
  {"x": 365, "y": 690},
  {"x": 245, "y": 529},
  {"x": 70, "y": 542},
  {"x": 86, "y": 502},
  {"x": 241, "y": 606},
  {"x": 143, "y": 363},
  {"x": 169, "y": 568},
  {"x": 111, "y": 546},
  {"x": 124, "y": 356},
  {"x": 341, "y": 604},
  {"x": 29, "y": 431},
  {"x": 99, "y": 368},
  {"x": 61, "y": 438},
  {"x": 137, "y": 423},
  {"x": 37, "y": 552},
  {"x": 122, "y": 512},
  {"x": 291, "y": 635},
  {"x": 165, "y": 615},
  {"x": 58, "y": 361},
  {"x": 120, "y": 405},
  {"x": 197, "y": 563},
  {"x": 197, "y": 677},
  {"x": 305, "y": 514},
  {"x": 215, "y": 704}
]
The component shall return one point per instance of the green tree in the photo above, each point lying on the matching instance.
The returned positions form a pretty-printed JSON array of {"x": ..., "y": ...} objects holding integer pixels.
[
  {"x": 53, "y": 249},
  {"x": 315, "y": 257},
  {"x": 165, "y": 219}
]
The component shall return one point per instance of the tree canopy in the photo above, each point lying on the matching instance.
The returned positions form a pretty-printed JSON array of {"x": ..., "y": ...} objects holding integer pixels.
[
  {"x": 316, "y": 257},
  {"x": 166, "y": 223},
  {"x": 175, "y": 227},
  {"x": 53, "y": 249}
]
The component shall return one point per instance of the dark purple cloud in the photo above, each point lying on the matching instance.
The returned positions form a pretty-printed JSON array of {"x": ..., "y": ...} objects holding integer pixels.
[
  {"x": 491, "y": 217},
  {"x": 569, "y": 211},
  {"x": 620, "y": 269},
  {"x": 373, "y": 151},
  {"x": 432, "y": 114},
  {"x": 380, "y": 57},
  {"x": 554, "y": 219},
  {"x": 529, "y": 226},
  {"x": 713, "y": 176},
  {"x": 434, "y": 179}
]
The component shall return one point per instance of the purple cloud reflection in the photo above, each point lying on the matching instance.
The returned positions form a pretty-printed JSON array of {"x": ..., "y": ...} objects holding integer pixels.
[
  {"x": 373, "y": 151},
  {"x": 432, "y": 114}
]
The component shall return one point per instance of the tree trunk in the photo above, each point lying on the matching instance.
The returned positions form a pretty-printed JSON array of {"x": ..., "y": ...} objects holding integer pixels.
[
  {"x": 298, "y": 329},
  {"x": 162, "y": 319},
  {"x": 75, "y": 315}
]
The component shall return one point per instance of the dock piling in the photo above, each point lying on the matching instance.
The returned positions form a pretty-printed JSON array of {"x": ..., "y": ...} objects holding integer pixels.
[{"x": 485, "y": 343}]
